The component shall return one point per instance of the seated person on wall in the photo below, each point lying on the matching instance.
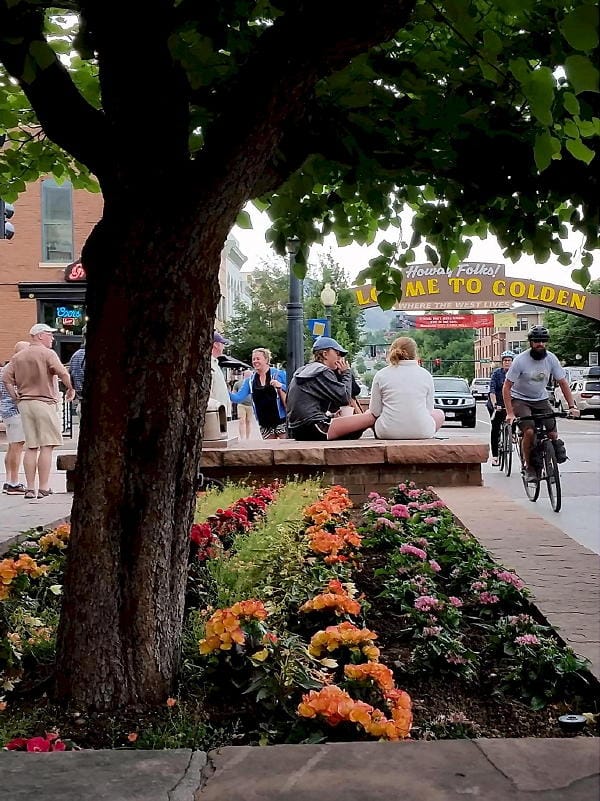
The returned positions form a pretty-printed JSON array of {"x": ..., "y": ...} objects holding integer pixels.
[
  {"x": 402, "y": 396},
  {"x": 318, "y": 401}
]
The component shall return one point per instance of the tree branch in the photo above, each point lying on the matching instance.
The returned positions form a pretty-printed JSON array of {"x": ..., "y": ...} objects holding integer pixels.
[
  {"x": 309, "y": 41},
  {"x": 67, "y": 118}
]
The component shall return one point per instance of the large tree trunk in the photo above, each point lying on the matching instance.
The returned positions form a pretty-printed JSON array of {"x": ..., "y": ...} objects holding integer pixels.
[{"x": 153, "y": 290}]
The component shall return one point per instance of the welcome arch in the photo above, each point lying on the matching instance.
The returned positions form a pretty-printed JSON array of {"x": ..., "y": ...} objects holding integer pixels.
[{"x": 479, "y": 285}]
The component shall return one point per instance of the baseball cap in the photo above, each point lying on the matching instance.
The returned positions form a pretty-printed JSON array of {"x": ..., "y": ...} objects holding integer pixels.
[
  {"x": 323, "y": 343},
  {"x": 41, "y": 328},
  {"x": 220, "y": 338}
]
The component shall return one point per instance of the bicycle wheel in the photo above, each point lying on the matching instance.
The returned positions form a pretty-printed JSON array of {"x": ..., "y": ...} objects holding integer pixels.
[
  {"x": 507, "y": 449},
  {"x": 552, "y": 476},
  {"x": 532, "y": 488}
]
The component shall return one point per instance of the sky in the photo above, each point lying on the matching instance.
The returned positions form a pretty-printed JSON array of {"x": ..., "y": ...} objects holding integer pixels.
[{"x": 354, "y": 258}]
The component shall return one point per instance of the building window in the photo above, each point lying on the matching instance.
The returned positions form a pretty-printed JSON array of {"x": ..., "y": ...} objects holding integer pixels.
[
  {"x": 57, "y": 221},
  {"x": 515, "y": 346},
  {"x": 522, "y": 325}
]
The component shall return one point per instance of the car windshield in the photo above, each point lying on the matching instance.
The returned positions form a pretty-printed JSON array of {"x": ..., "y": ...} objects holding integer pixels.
[
  {"x": 450, "y": 385},
  {"x": 592, "y": 386}
]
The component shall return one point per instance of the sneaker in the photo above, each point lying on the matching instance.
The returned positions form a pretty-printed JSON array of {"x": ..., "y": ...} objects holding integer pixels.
[
  {"x": 15, "y": 489},
  {"x": 560, "y": 450},
  {"x": 4, "y": 489}
]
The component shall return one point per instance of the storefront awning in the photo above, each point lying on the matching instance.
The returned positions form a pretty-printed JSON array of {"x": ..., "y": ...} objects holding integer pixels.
[{"x": 59, "y": 291}]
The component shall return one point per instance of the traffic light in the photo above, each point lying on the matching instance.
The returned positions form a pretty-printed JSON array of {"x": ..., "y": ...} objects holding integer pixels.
[{"x": 7, "y": 230}]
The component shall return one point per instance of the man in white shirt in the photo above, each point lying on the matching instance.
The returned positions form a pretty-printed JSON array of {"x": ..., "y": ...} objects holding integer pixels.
[{"x": 218, "y": 387}]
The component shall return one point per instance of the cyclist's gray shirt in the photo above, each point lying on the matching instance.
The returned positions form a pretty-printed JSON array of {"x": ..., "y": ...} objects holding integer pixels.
[{"x": 530, "y": 377}]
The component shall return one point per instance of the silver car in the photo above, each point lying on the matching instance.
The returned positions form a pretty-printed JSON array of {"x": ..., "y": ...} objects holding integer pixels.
[{"x": 586, "y": 396}]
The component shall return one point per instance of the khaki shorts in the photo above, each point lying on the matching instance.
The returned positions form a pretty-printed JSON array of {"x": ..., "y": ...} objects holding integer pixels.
[
  {"x": 40, "y": 423},
  {"x": 523, "y": 408},
  {"x": 14, "y": 428},
  {"x": 244, "y": 412}
]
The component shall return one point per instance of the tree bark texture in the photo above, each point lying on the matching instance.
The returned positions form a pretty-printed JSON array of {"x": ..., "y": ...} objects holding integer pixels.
[{"x": 152, "y": 293}]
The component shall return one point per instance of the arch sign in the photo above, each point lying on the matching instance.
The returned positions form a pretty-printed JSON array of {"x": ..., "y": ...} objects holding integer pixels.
[{"x": 479, "y": 285}]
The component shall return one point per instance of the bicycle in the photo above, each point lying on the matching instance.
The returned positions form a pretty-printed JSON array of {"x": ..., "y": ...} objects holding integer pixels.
[
  {"x": 505, "y": 448},
  {"x": 543, "y": 460}
]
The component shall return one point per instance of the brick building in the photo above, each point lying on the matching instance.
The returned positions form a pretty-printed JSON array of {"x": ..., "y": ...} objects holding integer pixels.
[
  {"x": 509, "y": 333},
  {"x": 51, "y": 223}
]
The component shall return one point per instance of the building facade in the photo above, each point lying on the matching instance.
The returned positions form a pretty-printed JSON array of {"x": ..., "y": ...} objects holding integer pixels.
[
  {"x": 41, "y": 279},
  {"x": 509, "y": 333}
]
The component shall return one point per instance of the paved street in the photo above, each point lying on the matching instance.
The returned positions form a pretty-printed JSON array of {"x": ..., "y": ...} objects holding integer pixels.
[{"x": 580, "y": 478}]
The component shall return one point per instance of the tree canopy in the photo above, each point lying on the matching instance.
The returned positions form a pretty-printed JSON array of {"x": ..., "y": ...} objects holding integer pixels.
[{"x": 482, "y": 116}]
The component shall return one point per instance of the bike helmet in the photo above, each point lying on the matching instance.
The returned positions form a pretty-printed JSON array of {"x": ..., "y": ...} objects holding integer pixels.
[
  {"x": 538, "y": 333},
  {"x": 508, "y": 354}
]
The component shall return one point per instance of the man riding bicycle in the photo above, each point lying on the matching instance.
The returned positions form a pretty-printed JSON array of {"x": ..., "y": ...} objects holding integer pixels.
[
  {"x": 495, "y": 402},
  {"x": 525, "y": 394}
]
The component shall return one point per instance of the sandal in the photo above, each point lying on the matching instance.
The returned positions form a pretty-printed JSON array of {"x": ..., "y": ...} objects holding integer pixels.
[
  {"x": 44, "y": 493},
  {"x": 29, "y": 495},
  {"x": 495, "y": 461}
]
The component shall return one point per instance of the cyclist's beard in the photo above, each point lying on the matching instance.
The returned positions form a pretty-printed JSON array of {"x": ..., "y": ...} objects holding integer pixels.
[{"x": 537, "y": 353}]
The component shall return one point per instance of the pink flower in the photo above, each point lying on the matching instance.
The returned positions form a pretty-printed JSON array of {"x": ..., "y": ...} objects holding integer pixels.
[
  {"x": 510, "y": 578},
  {"x": 527, "y": 639},
  {"x": 422, "y": 542},
  {"x": 435, "y": 566},
  {"x": 453, "y": 659},
  {"x": 427, "y": 602},
  {"x": 478, "y": 585},
  {"x": 372, "y": 495},
  {"x": 413, "y": 551},
  {"x": 488, "y": 598},
  {"x": 414, "y": 493},
  {"x": 455, "y": 601},
  {"x": 431, "y": 631},
  {"x": 431, "y": 521},
  {"x": 384, "y": 522},
  {"x": 400, "y": 510}
]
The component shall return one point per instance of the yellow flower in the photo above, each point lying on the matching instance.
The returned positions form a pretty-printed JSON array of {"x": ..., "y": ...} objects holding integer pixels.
[{"x": 260, "y": 656}]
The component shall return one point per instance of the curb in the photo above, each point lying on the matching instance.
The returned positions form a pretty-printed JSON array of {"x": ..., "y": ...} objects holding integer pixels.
[{"x": 15, "y": 539}]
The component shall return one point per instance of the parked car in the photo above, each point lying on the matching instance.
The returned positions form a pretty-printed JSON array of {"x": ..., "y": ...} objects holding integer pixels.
[
  {"x": 586, "y": 395},
  {"x": 480, "y": 388},
  {"x": 454, "y": 398}
]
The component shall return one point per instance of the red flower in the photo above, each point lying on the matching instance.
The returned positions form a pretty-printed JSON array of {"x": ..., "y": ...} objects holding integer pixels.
[
  {"x": 18, "y": 744},
  {"x": 38, "y": 744}
]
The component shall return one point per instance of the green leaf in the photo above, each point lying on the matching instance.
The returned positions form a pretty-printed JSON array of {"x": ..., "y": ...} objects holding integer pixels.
[
  {"x": 42, "y": 54},
  {"x": 543, "y": 150},
  {"x": 582, "y": 74},
  {"x": 581, "y": 276},
  {"x": 571, "y": 129},
  {"x": 571, "y": 103},
  {"x": 386, "y": 300},
  {"x": 579, "y": 151},
  {"x": 432, "y": 255},
  {"x": 243, "y": 220},
  {"x": 539, "y": 89},
  {"x": 580, "y": 28}
]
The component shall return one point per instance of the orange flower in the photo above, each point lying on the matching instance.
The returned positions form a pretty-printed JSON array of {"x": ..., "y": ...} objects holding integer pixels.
[
  {"x": 132, "y": 737},
  {"x": 223, "y": 628},
  {"x": 381, "y": 675},
  {"x": 171, "y": 702},
  {"x": 337, "y": 599},
  {"x": 344, "y": 635},
  {"x": 8, "y": 570}
]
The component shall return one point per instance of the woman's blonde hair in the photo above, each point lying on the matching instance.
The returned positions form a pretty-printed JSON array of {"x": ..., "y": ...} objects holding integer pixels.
[
  {"x": 402, "y": 349},
  {"x": 265, "y": 352}
]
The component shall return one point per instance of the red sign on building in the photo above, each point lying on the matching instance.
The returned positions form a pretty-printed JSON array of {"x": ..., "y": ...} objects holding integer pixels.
[
  {"x": 75, "y": 272},
  {"x": 454, "y": 321}
]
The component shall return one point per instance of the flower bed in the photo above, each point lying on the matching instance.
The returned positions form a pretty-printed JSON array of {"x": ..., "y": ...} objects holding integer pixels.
[{"x": 309, "y": 621}]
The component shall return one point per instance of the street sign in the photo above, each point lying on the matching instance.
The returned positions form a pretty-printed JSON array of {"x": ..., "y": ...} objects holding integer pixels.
[
  {"x": 593, "y": 358},
  {"x": 317, "y": 327}
]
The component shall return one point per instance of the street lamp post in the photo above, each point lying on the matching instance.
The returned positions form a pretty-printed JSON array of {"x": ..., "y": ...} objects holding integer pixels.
[
  {"x": 328, "y": 298},
  {"x": 295, "y": 315}
]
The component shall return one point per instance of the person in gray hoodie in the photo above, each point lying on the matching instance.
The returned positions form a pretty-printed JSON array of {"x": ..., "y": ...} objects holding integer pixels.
[{"x": 319, "y": 397}]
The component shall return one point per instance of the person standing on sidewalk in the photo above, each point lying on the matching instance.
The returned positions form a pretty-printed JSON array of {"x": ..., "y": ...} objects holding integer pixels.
[
  {"x": 14, "y": 435},
  {"x": 245, "y": 411},
  {"x": 30, "y": 379},
  {"x": 77, "y": 370},
  {"x": 495, "y": 403}
]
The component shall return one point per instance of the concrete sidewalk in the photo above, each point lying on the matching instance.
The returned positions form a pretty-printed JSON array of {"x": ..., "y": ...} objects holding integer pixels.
[{"x": 447, "y": 770}]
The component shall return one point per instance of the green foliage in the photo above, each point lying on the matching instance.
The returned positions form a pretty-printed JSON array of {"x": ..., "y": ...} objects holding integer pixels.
[
  {"x": 456, "y": 115},
  {"x": 572, "y": 335},
  {"x": 267, "y": 561}
]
